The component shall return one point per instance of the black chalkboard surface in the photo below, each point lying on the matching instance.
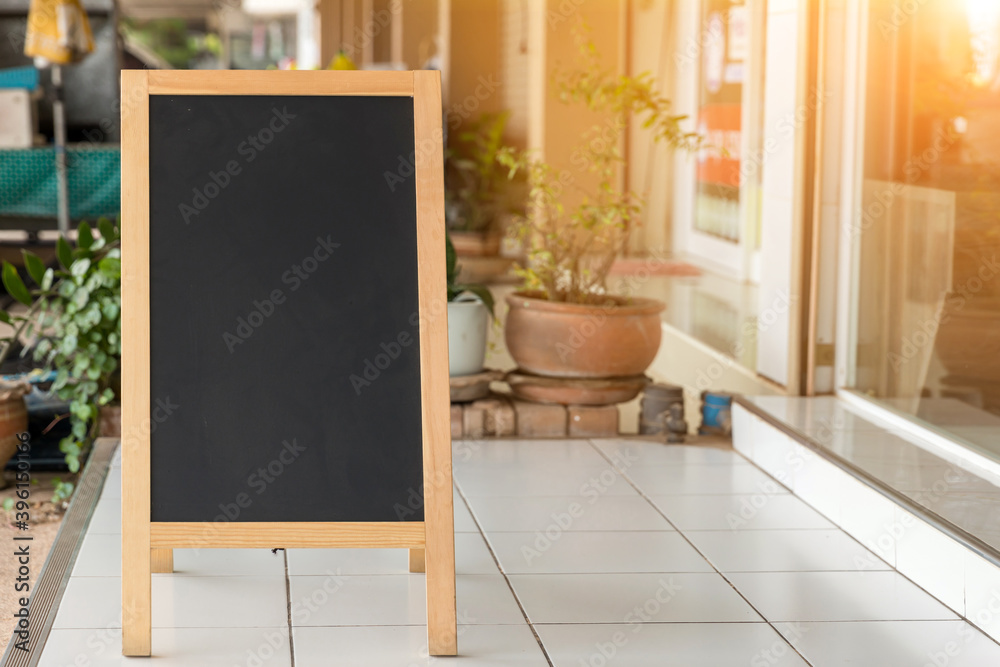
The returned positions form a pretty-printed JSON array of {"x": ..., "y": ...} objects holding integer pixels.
[{"x": 283, "y": 309}]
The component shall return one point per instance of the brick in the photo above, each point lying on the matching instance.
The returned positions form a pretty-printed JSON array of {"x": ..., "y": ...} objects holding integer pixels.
[
  {"x": 488, "y": 406},
  {"x": 500, "y": 419},
  {"x": 593, "y": 421},
  {"x": 540, "y": 420},
  {"x": 473, "y": 422},
  {"x": 504, "y": 420},
  {"x": 456, "y": 421}
]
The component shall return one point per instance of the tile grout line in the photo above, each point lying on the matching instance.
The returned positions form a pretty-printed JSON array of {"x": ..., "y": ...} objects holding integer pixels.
[
  {"x": 892, "y": 568},
  {"x": 510, "y": 587},
  {"x": 642, "y": 494},
  {"x": 288, "y": 608}
]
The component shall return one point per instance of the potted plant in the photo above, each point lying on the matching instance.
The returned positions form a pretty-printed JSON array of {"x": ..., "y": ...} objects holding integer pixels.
[
  {"x": 563, "y": 322},
  {"x": 73, "y": 315},
  {"x": 476, "y": 187},
  {"x": 470, "y": 310}
]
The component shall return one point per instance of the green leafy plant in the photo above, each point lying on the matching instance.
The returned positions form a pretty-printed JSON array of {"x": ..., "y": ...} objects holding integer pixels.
[
  {"x": 455, "y": 288},
  {"x": 570, "y": 250},
  {"x": 74, "y": 316},
  {"x": 62, "y": 492},
  {"x": 476, "y": 186}
]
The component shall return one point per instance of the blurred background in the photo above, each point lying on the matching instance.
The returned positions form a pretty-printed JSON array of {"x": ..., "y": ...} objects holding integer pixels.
[{"x": 837, "y": 232}]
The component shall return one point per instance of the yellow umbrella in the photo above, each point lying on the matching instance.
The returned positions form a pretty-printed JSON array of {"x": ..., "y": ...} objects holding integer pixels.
[
  {"x": 58, "y": 31},
  {"x": 58, "y": 34}
]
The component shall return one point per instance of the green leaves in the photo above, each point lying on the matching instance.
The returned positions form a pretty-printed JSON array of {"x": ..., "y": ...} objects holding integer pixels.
[
  {"x": 107, "y": 229},
  {"x": 64, "y": 253},
  {"x": 85, "y": 237},
  {"x": 14, "y": 285},
  {"x": 79, "y": 268},
  {"x": 454, "y": 289},
  {"x": 571, "y": 247},
  {"x": 35, "y": 266},
  {"x": 111, "y": 267},
  {"x": 63, "y": 490},
  {"x": 482, "y": 292},
  {"x": 75, "y": 321},
  {"x": 451, "y": 259}
]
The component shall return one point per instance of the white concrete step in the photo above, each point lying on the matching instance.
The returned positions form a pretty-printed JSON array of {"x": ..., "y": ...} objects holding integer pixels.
[{"x": 926, "y": 516}]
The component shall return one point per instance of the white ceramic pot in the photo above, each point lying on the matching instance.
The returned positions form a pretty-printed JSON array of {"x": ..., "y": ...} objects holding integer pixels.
[{"x": 468, "y": 325}]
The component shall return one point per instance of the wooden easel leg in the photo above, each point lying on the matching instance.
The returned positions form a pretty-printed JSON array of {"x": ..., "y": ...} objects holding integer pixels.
[
  {"x": 442, "y": 629},
  {"x": 136, "y": 578},
  {"x": 417, "y": 560},
  {"x": 162, "y": 561},
  {"x": 136, "y": 574},
  {"x": 439, "y": 517}
]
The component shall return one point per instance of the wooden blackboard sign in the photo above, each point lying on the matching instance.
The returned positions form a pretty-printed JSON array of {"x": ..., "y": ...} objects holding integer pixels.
[{"x": 284, "y": 332}]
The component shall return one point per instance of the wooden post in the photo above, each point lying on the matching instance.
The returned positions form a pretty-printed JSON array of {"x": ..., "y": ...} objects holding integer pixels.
[
  {"x": 136, "y": 577},
  {"x": 417, "y": 561},
  {"x": 162, "y": 561},
  {"x": 439, "y": 519}
]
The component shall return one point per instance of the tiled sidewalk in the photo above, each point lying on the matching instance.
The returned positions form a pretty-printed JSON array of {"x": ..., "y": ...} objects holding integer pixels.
[{"x": 569, "y": 553}]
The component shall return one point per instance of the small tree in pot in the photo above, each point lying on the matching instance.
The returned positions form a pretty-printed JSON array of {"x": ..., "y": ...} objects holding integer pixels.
[{"x": 564, "y": 322}]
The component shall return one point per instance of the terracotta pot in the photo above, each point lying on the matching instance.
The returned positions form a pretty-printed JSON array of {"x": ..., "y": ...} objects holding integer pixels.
[
  {"x": 13, "y": 419},
  {"x": 575, "y": 391},
  {"x": 568, "y": 340}
]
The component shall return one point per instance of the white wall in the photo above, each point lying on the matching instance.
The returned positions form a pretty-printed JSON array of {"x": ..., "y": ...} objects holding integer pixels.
[{"x": 782, "y": 131}]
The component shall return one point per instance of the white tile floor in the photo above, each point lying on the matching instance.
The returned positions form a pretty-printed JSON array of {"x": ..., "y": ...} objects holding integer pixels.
[{"x": 673, "y": 556}]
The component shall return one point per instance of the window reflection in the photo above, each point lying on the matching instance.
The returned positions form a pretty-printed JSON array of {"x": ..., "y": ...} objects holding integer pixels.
[{"x": 928, "y": 281}]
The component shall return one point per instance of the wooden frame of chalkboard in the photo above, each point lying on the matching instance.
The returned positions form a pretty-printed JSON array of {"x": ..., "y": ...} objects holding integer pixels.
[{"x": 147, "y": 544}]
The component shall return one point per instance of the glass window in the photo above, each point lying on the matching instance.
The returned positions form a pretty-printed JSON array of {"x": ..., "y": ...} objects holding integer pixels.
[
  {"x": 927, "y": 320},
  {"x": 726, "y": 45}
]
